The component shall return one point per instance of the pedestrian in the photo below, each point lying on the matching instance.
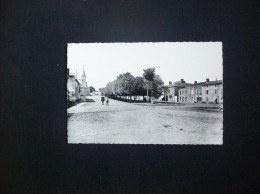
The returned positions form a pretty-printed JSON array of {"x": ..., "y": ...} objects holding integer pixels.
[
  {"x": 221, "y": 105},
  {"x": 102, "y": 99},
  {"x": 107, "y": 102}
]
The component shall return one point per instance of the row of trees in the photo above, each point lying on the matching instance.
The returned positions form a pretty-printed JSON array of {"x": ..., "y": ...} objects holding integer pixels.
[{"x": 150, "y": 85}]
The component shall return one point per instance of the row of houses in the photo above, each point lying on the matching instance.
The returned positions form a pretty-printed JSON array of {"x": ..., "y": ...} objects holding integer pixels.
[
  {"x": 202, "y": 92},
  {"x": 76, "y": 91}
]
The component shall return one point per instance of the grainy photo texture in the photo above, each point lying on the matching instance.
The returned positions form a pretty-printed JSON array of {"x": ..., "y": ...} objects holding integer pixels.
[{"x": 145, "y": 93}]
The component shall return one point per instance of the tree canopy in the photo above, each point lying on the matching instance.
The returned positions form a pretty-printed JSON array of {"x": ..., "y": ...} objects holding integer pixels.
[
  {"x": 127, "y": 85},
  {"x": 149, "y": 74},
  {"x": 157, "y": 86}
]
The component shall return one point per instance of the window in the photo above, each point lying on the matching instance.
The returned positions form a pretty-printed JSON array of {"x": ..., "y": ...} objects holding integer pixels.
[
  {"x": 207, "y": 92},
  {"x": 215, "y": 91},
  {"x": 198, "y": 92},
  {"x": 192, "y": 92}
]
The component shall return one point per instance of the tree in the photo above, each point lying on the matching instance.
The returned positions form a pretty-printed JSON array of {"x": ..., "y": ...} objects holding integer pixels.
[
  {"x": 148, "y": 76},
  {"x": 91, "y": 89},
  {"x": 128, "y": 85},
  {"x": 139, "y": 86},
  {"x": 125, "y": 84},
  {"x": 109, "y": 89},
  {"x": 157, "y": 87}
]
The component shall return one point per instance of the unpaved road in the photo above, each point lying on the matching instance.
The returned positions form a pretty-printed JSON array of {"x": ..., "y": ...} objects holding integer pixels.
[{"x": 127, "y": 123}]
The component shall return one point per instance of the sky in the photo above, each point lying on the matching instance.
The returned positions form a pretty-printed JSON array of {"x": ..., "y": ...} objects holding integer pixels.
[{"x": 103, "y": 62}]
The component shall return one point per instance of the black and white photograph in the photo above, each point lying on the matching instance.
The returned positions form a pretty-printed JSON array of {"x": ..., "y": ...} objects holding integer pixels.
[
  {"x": 129, "y": 97},
  {"x": 145, "y": 93}
]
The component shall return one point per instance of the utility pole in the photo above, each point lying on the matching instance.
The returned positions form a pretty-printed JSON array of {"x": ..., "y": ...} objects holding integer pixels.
[{"x": 147, "y": 93}]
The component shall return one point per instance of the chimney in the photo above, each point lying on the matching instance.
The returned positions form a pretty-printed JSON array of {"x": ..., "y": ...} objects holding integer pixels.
[
  {"x": 181, "y": 80},
  {"x": 195, "y": 82},
  {"x": 207, "y": 80},
  {"x": 170, "y": 83}
]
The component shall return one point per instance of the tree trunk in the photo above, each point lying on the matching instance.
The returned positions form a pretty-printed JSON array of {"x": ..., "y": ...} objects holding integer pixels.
[{"x": 147, "y": 94}]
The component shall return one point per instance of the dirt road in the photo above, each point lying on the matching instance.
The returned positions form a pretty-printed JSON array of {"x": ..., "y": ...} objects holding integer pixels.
[{"x": 125, "y": 123}]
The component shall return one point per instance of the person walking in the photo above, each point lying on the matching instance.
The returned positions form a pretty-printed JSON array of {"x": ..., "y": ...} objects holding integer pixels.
[
  {"x": 107, "y": 102},
  {"x": 221, "y": 105},
  {"x": 102, "y": 99}
]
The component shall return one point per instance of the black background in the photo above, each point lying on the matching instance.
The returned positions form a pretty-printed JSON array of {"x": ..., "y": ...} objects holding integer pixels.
[{"x": 35, "y": 156}]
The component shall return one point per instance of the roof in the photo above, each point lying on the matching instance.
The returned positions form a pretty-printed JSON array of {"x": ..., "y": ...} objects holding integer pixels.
[
  {"x": 71, "y": 76},
  {"x": 178, "y": 84},
  {"x": 211, "y": 82},
  {"x": 184, "y": 85},
  {"x": 181, "y": 81},
  {"x": 181, "y": 84},
  {"x": 77, "y": 81},
  {"x": 206, "y": 83}
]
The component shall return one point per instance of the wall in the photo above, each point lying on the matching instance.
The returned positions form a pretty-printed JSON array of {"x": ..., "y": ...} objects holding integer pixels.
[
  {"x": 196, "y": 93},
  {"x": 185, "y": 94},
  {"x": 74, "y": 88},
  {"x": 210, "y": 93}
]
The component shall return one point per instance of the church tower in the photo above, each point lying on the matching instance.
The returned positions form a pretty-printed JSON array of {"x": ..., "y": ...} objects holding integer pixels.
[
  {"x": 84, "y": 90},
  {"x": 83, "y": 79}
]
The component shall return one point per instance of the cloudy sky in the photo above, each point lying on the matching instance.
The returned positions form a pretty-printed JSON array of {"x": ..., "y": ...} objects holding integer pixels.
[{"x": 191, "y": 61}]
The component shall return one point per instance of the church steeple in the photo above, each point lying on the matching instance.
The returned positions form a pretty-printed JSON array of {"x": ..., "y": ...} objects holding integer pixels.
[
  {"x": 84, "y": 90},
  {"x": 83, "y": 78},
  {"x": 84, "y": 72}
]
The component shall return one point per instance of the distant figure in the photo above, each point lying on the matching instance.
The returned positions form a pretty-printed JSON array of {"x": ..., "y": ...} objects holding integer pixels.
[
  {"x": 107, "y": 102},
  {"x": 221, "y": 105},
  {"x": 102, "y": 99}
]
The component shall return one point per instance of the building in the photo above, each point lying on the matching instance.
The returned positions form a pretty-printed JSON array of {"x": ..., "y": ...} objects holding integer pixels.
[
  {"x": 196, "y": 92},
  {"x": 173, "y": 90},
  {"x": 206, "y": 92},
  {"x": 84, "y": 90},
  {"x": 192, "y": 93},
  {"x": 212, "y": 91},
  {"x": 185, "y": 94},
  {"x": 73, "y": 88}
]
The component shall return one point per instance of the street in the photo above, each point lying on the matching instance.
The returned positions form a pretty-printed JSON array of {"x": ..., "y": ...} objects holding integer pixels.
[{"x": 144, "y": 123}]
